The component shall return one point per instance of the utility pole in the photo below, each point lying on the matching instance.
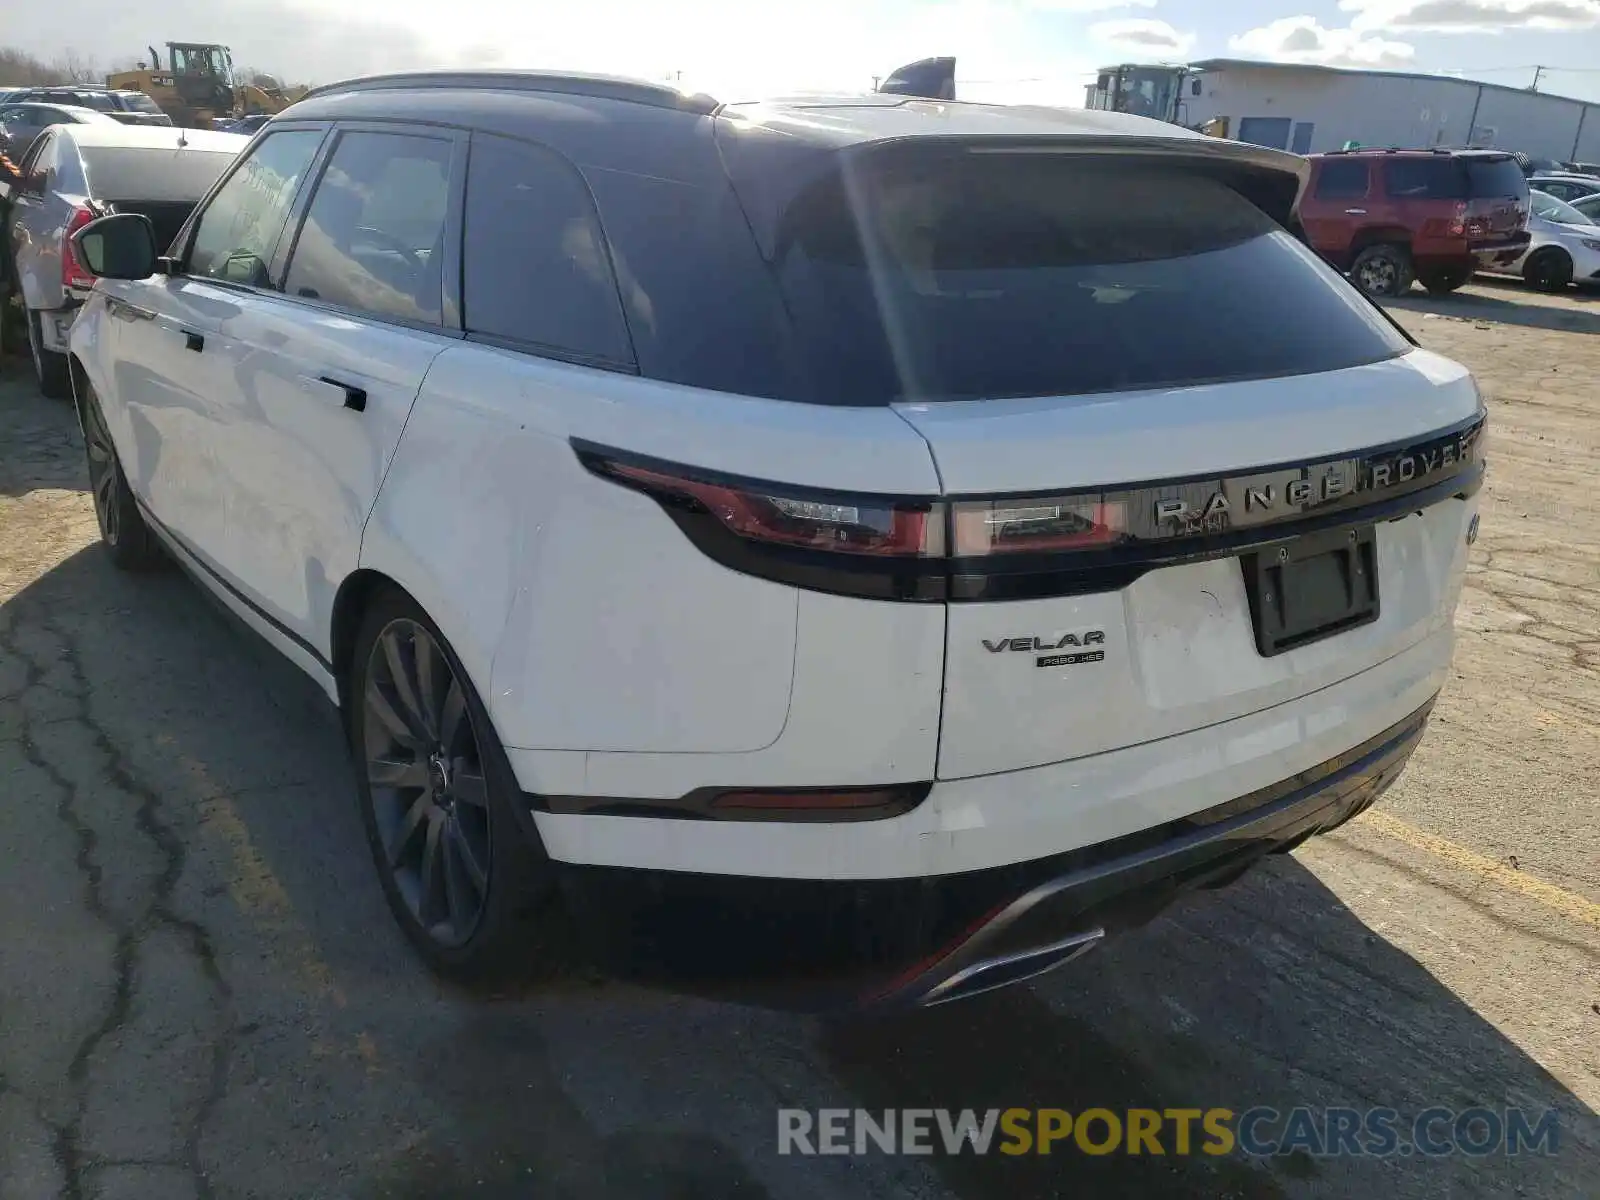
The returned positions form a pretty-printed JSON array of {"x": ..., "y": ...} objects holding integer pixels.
[{"x": 1537, "y": 71}]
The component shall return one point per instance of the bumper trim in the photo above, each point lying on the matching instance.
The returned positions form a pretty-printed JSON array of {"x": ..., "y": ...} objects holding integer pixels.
[
  {"x": 894, "y": 943},
  {"x": 1228, "y": 840}
]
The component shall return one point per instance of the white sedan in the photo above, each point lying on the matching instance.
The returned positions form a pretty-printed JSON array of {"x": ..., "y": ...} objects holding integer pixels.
[{"x": 1565, "y": 247}]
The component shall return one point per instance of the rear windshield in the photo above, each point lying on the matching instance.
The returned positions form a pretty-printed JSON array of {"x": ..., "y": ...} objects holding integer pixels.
[
  {"x": 98, "y": 101},
  {"x": 1446, "y": 178},
  {"x": 1495, "y": 177},
  {"x": 152, "y": 173},
  {"x": 952, "y": 276}
]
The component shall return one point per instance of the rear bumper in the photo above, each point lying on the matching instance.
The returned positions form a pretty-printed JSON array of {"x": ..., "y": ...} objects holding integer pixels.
[
  {"x": 996, "y": 820},
  {"x": 915, "y": 942},
  {"x": 56, "y": 324}
]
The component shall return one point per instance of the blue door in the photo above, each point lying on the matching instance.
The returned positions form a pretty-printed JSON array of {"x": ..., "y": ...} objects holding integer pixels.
[
  {"x": 1301, "y": 143},
  {"x": 1265, "y": 131}
]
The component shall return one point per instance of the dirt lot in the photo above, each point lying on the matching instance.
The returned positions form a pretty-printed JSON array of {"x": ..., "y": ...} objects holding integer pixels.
[{"x": 201, "y": 994}]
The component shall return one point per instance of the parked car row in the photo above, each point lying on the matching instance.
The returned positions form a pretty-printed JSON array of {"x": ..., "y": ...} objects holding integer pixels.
[
  {"x": 71, "y": 173},
  {"x": 1393, "y": 217},
  {"x": 125, "y": 107}
]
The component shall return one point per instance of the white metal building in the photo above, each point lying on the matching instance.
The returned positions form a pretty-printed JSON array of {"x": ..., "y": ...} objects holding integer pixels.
[{"x": 1310, "y": 109}]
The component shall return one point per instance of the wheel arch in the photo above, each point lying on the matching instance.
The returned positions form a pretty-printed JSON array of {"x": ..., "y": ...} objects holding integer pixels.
[
  {"x": 1379, "y": 235},
  {"x": 350, "y": 604}
]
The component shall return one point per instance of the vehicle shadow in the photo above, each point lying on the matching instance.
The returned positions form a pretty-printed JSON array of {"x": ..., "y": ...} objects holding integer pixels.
[
  {"x": 1510, "y": 302},
  {"x": 350, "y": 1072}
]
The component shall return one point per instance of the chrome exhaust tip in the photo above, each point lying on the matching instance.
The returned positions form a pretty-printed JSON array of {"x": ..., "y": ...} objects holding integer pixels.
[{"x": 988, "y": 974}]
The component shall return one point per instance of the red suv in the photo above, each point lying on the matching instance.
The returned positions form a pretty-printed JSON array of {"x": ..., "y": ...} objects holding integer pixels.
[{"x": 1391, "y": 216}]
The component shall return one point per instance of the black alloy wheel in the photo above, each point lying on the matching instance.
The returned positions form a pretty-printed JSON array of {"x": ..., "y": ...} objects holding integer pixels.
[{"x": 425, "y": 775}]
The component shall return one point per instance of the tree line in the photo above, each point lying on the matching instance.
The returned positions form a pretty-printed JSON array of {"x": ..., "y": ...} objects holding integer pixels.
[{"x": 18, "y": 68}]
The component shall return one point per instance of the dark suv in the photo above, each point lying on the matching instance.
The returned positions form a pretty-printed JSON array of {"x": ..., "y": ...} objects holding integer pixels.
[
  {"x": 1391, "y": 216},
  {"x": 128, "y": 108}
]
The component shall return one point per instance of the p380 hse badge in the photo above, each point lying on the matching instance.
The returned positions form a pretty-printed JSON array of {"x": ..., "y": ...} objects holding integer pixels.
[{"x": 1054, "y": 642}]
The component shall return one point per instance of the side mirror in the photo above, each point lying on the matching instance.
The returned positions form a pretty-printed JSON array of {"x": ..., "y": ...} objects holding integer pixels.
[{"x": 121, "y": 246}]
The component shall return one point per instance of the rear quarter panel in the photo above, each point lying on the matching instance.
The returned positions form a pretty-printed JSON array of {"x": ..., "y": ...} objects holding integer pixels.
[{"x": 585, "y": 617}]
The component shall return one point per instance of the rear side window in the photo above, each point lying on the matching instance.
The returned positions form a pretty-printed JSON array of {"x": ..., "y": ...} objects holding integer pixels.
[
  {"x": 1341, "y": 179},
  {"x": 138, "y": 102},
  {"x": 1425, "y": 179},
  {"x": 535, "y": 267},
  {"x": 939, "y": 275},
  {"x": 238, "y": 231},
  {"x": 373, "y": 238},
  {"x": 38, "y": 165}
]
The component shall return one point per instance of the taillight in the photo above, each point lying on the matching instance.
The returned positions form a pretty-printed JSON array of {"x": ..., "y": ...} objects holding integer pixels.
[
  {"x": 970, "y": 548},
  {"x": 873, "y": 546},
  {"x": 1458, "y": 223},
  {"x": 841, "y": 525},
  {"x": 73, "y": 273},
  {"x": 985, "y": 527}
]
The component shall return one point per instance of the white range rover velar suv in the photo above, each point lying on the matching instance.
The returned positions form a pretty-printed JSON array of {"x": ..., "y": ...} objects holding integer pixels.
[{"x": 837, "y": 552}]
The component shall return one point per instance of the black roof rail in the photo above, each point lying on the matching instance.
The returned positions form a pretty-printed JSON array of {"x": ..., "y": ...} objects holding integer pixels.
[{"x": 604, "y": 87}]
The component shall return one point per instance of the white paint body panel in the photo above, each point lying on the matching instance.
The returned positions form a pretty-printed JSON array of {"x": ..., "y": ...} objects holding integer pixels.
[
  {"x": 1179, "y": 647},
  {"x": 972, "y": 824},
  {"x": 596, "y": 631},
  {"x": 162, "y": 412},
  {"x": 303, "y": 470}
]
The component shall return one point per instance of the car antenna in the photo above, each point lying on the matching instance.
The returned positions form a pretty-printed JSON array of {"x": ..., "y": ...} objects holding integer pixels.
[{"x": 183, "y": 142}]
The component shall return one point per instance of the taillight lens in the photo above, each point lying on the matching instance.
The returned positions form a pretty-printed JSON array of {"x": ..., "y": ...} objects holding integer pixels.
[
  {"x": 841, "y": 525},
  {"x": 1458, "y": 223},
  {"x": 985, "y": 527},
  {"x": 73, "y": 272}
]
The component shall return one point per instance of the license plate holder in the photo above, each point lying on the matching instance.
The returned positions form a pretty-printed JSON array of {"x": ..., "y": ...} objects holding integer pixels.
[{"x": 1314, "y": 587}]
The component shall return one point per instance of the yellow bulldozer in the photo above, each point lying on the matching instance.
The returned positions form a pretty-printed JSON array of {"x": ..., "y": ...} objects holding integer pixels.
[{"x": 198, "y": 85}]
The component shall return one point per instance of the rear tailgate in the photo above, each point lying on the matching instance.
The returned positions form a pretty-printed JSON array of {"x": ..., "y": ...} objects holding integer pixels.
[
  {"x": 1137, "y": 390},
  {"x": 1497, "y": 198},
  {"x": 1035, "y": 680}
]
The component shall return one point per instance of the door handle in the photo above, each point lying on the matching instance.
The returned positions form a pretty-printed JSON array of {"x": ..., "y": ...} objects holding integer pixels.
[
  {"x": 1355, "y": 212},
  {"x": 193, "y": 341},
  {"x": 355, "y": 398}
]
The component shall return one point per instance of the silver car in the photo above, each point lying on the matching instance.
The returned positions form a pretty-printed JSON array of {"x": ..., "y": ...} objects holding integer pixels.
[
  {"x": 1564, "y": 247},
  {"x": 75, "y": 173},
  {"x": 1566, "y": 185},
  {"x": 22, "y": 121}
]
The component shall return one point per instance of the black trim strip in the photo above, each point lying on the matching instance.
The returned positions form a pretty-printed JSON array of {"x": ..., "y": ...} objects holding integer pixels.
[
  {"x": 188, "y": 552},
  {"x": 702, "y": 804},
  {"x": 1163, "y": 522}
]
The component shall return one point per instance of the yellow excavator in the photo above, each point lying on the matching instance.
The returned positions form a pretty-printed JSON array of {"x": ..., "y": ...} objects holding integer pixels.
[{"x": 198, "y": 85}]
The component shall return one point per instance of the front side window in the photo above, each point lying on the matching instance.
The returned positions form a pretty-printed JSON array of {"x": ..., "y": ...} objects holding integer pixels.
[
  {"x": 239, "y": 229},
  {"x": 535, "y": 267},
  {"x": 373, "y": 237}
]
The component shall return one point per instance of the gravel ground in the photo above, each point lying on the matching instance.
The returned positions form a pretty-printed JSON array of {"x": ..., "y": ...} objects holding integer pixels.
[{"x": 201, "y": 994}]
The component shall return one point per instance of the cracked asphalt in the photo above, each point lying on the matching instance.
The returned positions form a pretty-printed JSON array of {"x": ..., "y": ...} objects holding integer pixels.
[{"x": 202, "y": 995}]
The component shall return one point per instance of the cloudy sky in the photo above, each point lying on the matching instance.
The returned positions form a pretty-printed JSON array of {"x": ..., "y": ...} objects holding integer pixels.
[{"x": 1041, "y": 51}]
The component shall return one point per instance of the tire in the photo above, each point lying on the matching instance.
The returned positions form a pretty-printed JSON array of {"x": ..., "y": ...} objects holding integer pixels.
[
  {"x": 1549, "y": 269},
  {"x": 123, "y": 531},
  {"x": 487, "y": 906},
  {"x": 49, "y": 367},
  {"x": 1383, "y": 270},
  {"x": 1441, "y": 281}
]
